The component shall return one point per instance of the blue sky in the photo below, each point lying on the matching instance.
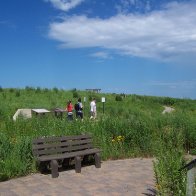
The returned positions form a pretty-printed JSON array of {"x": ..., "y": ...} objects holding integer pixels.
[{"x": 144, "y": 47}]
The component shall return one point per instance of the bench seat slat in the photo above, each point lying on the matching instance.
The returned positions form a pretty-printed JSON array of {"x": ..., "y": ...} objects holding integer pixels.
[
  {"x": 59, "y": 150},
  {"x": 64, "y": 138},
  {"x": 61, "y": 144},
  {"x": 68, "y": 155}
]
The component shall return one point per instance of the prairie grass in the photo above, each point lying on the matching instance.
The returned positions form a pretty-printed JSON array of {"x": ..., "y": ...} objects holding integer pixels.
[
  {"x": 169, "y": 154},
  {"x": 132, "y": 127}
]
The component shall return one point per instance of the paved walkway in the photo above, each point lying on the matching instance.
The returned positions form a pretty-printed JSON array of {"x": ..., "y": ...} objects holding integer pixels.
[{"x": 129, "y": 177}]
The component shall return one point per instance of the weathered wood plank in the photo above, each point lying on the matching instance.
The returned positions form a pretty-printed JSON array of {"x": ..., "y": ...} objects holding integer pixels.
[
  {"x": 63, "y": 138},
  {"x": 68, "y": 155},
  {"x": 61, "y": 150},
  {"x": 61, "y": 144}
]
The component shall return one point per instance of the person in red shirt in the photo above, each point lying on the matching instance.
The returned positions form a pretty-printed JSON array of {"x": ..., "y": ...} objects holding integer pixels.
[{"x": 69, "y": 110}]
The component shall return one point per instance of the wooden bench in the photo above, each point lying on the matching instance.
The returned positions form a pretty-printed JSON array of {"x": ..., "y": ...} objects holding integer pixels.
[{"x": 54, "y": 150}]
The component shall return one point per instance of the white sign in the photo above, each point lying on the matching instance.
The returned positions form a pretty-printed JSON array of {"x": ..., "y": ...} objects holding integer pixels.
[
  {"x": 103, "y": 99},
  {"x": 84, "y": 99}
]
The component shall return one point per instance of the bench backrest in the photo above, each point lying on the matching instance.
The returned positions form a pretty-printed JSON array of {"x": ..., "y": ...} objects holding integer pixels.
[{"x": 59, "y": 145}]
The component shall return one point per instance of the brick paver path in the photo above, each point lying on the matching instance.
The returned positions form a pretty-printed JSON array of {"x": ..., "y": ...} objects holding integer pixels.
[{"x": 129, "y": 177}]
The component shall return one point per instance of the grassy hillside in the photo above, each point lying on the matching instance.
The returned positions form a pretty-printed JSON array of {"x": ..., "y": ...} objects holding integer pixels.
[{"x": 131, "y": 126}]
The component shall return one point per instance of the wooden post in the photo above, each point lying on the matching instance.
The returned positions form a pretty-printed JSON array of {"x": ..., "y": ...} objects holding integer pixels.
[
  {"x": 97, "y": 160},
  {"x": 78, "y": 164},
  {"x": 84, "y": 106},
  {"x": 54, "y": 168},
  {"x": 103, "y": 101},
  {"x": 191, "y": 174}
]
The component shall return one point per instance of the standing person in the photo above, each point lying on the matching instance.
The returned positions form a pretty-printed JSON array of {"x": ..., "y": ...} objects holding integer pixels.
[
  {"x": 79, "y": 109},
  {"x": 69, "y": 110},
  {"x": 93, "y": 109}
]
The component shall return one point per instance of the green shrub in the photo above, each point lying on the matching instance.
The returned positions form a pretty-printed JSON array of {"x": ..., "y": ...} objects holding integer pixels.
[
  {"x": 38, "y": 90},
  {"x": 75, "y": 94},
  {"x": 193, "y": 151},
  {"x": 168, "y": 101},
  {"x": 55, "y": 90},
  {"x": 73, "y": 90},
  {"x": 118, "y": 98},
  {"x": 169, "y": 160},
  {"x": 123, "y": 95},
  {"x": 11, "y": 90},
  {"x": 45, "y": 90},
  {"x": 28, "y": 88},
  {"x": 94, "y": 96},
  {"x": 17, "y": 93}
]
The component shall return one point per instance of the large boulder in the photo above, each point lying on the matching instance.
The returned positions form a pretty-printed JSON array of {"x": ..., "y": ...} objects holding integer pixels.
[{"x": 25, "y": 113}]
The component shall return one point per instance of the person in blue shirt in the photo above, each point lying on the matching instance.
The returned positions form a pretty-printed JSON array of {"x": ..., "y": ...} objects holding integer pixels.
[{"x": 79, "y": 109}]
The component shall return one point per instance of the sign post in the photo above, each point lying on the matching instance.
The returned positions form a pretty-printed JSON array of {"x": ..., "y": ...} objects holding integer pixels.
[
  {"x": 84, "y": 104},
  {"x": 103, "y": 101}
]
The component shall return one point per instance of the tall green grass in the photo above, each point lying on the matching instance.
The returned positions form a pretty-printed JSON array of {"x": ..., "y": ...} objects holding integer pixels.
[
  {"x": 169, "y": 154},
  {"x": 132, "y": 127}
]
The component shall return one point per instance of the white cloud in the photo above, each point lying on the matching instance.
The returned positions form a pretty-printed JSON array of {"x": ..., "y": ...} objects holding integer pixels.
[
  {"x": 65, "y": 5},
  {"x": 187, "y": 84},
  {"x": 102, "y": 55},
  {"x": 162, "y": 34}
]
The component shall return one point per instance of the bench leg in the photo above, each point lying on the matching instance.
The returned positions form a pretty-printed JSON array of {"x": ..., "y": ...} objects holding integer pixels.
[
  {"x": 54, "y": 168},
  {"x": 78, "y": 164},
  {"x": 97, "y": 160}
]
